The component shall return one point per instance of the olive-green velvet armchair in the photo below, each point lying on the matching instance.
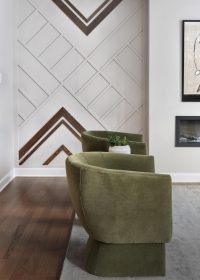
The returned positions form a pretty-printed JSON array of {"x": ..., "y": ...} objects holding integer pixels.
[
  {"x": 97, "y": 140},
  {"x": 126, "y": 209}
]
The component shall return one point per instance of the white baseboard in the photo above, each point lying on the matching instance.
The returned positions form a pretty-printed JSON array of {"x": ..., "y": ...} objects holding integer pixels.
[
  {"x": 40, "y": 172},
  {"x": 7, "y": 179},
  {"x": 61, "y": 172},
  {"x": 185, "y": 177}
]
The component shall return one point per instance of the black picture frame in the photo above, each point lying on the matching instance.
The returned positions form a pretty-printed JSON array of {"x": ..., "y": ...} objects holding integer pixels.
[{"x": 190, "y": 93}]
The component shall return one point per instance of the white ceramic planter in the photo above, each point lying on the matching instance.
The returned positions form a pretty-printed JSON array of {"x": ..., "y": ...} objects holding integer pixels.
[{"x": 120, "y": 149}]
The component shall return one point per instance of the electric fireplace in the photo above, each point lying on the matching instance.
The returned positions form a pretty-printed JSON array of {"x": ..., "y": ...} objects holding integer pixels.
[{"x": 187, "y": 131}]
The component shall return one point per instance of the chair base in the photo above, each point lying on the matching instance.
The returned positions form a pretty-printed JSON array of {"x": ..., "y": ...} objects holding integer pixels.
[{"x": 115, "y": 260}]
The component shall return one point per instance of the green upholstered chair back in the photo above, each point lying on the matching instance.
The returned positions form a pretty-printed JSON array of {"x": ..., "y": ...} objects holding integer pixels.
[
  {"x": 98, "y": 141},
  {"x": 119, "y": 198},
  {"x": 106, "y": 133}
]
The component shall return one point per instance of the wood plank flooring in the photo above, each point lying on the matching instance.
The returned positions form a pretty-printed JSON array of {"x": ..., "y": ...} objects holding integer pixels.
[{"x": 36, "y": 217}]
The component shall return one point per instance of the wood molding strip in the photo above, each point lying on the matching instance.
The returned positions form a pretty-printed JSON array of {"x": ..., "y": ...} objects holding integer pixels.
[
  {"x": 72, "y": 120},
  {"x": 87, "y": 29},
  {"x": 92, "y": 15},
  {"x": 62, "y": 122},
  {"x": 61, "y": 113},
  {"x": 71, "y": 129},
  {"x": 57, "y": 152},
  {"x": 97, "y": 10},
  {"x": 102, "y": 15},
  {"x": 71, "y": 15}
]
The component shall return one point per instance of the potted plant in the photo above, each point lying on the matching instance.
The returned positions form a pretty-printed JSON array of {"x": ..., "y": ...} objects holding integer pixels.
[{"x": 118, "y": 144}]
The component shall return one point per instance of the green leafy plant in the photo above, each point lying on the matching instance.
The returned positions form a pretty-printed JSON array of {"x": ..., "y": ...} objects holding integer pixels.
[{"x": 116, "y": 140}]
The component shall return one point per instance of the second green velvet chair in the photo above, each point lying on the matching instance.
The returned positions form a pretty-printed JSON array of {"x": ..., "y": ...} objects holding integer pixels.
[{"x": 97, "y": 140}]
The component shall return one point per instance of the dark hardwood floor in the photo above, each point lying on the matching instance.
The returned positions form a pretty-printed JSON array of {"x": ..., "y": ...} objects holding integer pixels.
[{"x": 36, "y": 217}]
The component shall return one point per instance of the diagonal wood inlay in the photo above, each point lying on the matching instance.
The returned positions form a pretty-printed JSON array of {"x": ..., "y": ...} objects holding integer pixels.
[
  {"x": 92, "y": 15},
  {"x": 62, "y": 148},
  {"x": 95, "y": 20},
  {"x": 62, "y": 122},
  {"x": 62, "y": 113}
]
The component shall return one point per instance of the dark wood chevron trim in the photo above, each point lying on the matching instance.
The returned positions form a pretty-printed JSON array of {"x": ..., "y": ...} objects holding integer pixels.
[
  {"x": 97, "y": 20},
  {"x": 92, "y": 15},
  {"x": 102, "y": 15},
  {"x": 62, "y": 113},
  {"x": 57, "y": 152},
  {"x": 62, "y": 122}
]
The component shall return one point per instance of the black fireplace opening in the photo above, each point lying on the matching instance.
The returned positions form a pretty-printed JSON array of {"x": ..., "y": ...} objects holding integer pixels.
[{"x": 187, "y": 131}]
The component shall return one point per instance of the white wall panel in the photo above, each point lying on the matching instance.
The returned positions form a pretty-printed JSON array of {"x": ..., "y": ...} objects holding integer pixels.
[
  {"x": 30, "y": 89},
  {"x": 88, "y": 9},
  {"x": 92, "y": 90},
  {"x": 118, "y": 115},
  {"x": 124, "y": 83},
  {"x": 117, "y": 40},
  {"x": 55, "y": 52},
  {"x": 67, "y": 64},
  {"x": 126, "y": 59},
  {"x": 105, "y": 102},
  {"x": 98, "y": 78},
  {"x": 134, "y": 120},
  {"x": 36, "y": 70},
  {"x": 19, "y": 120},
  {"x": 79, "y": 77},
  {"x": 24, "y": 106},
  {"x": 25, "y": 9},
  {"x": 30, "y": 27},
  {"x": 47, "y": 9},
  {"x": 137, "y": 44},
  {"x": 42, "y": 39}
]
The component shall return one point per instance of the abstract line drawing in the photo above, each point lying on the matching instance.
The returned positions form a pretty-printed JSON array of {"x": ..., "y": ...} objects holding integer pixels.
[
  {"x": 197, "y": 55},
  {"x": 191, "y": 61}
]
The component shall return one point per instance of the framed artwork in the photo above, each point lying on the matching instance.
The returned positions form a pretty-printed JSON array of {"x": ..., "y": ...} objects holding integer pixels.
[{"x": 191, "y": 61}]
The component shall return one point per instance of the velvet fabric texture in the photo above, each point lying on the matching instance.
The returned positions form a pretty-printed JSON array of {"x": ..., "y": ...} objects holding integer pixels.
[
  {"x": 121, "y": 260},
  {"x": 121, "y": 201},
  {"x": 98, "y": 141}
]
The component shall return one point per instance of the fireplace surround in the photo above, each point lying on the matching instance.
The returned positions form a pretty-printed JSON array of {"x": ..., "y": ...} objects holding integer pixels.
[{"x": 187, "y": 133}]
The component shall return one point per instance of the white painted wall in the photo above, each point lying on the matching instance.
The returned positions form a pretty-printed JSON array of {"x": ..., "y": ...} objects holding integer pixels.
[
  {"x": 165, "y": 51},
  {"x": 6, "y": 89}
]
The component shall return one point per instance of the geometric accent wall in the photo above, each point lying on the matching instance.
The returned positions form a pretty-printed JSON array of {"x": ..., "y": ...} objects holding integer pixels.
[{"x": 68, "y": 81}]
